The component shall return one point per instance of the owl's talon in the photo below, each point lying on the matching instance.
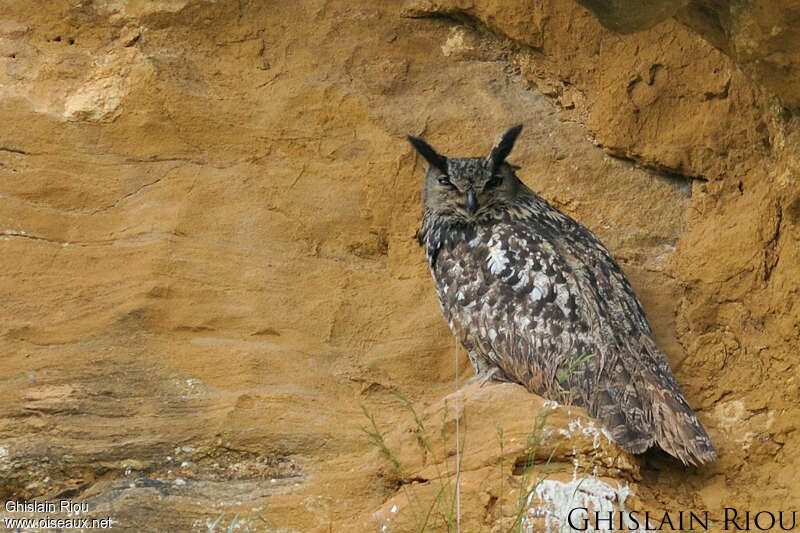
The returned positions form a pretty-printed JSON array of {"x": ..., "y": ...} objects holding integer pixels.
[{"x": 488, "y": 376}]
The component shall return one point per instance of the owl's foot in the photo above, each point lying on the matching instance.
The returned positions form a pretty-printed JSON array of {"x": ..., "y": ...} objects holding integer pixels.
[
  {"x": 482, "y": 379},
  {"x": 489, "y": 375}
]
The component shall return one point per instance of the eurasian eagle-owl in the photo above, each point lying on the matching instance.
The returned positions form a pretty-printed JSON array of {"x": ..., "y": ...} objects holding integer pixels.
[{"x": 536, "y": 299}]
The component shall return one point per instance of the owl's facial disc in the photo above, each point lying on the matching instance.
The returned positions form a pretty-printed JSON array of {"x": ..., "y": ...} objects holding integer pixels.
[{"x": 464, "y": 184}]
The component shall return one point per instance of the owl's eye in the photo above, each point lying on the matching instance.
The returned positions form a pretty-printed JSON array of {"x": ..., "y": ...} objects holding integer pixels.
[
  {"x": 493, "y": 182},
  {"x": 445, "y": 180}
]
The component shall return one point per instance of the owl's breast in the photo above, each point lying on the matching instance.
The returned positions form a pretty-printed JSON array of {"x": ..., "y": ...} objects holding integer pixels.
[
  {"x": 507, "y": 277},
  {"x": 503, "y": 265}
]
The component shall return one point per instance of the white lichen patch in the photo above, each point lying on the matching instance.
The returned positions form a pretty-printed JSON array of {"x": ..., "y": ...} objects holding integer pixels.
[
  {"x": 555, "y": 505},
  {"x": 455, "y": 42}
]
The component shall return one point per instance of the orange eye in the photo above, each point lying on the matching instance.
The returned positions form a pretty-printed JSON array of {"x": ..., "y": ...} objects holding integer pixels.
[{"x": 493, "y": 182}]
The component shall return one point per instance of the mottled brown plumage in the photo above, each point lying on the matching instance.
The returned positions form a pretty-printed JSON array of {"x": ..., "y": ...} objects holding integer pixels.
[{"x": 536, "y": 299}]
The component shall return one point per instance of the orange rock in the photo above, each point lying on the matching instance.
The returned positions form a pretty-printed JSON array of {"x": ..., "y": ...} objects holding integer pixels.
[{"x": 207, "y": 213}]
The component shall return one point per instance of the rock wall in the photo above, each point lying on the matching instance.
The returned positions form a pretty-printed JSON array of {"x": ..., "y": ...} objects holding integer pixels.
[{"x": 208, "y": 211}]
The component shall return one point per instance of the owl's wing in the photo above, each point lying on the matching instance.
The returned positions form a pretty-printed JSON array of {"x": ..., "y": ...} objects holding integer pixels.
[
  {"x": 635, "y": 379},
  {"x": 544, "y": 322}
]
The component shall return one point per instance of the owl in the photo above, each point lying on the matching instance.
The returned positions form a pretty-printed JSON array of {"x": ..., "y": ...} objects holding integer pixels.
[{"x": 536, "y": 299}]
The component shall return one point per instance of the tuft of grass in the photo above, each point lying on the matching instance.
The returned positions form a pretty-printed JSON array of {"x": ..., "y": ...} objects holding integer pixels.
[
  {"x": 213, "y": 527},
  {"x": 440, "y": 513},
  {"x": 375, "y": 438},
  {"x": 235, "y": 522},
  {"x": 501, "y": 460},
  {"x": 562, "y": 377},
  {"x": 567, "y": 373},
  {"x": 526, "y": 488}
]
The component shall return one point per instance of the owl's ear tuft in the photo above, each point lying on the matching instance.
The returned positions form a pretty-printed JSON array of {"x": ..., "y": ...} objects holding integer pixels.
[
  {"x": 430, "y": 155},
  {"x": 503, "y": 146}
]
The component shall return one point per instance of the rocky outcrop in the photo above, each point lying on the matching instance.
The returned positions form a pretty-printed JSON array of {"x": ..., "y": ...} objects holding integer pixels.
[
  {"x": 512, "y": 456},
  {"x": 762, "y": 39},
  {"x": 207, "y": 224},
  {"x": 624, "y": 16}
]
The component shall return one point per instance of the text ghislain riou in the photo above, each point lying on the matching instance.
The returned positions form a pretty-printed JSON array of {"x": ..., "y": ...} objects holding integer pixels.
[
  {"x": 36, "y": 506},
  {"x": 581, "y": 519}
]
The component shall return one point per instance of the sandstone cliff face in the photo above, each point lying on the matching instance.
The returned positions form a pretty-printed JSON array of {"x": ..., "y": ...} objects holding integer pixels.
[{"x": 208, "y": 211}]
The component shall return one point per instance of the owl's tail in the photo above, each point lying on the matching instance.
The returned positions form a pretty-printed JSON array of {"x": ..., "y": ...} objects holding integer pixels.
[
  {"x": 624, "y": 418},
  {"x": 641, "y": 409},
  {"x": 678, "y": 431}
]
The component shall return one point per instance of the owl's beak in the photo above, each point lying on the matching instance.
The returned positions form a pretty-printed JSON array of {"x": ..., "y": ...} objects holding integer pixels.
[{"x": 472, "y": 203}]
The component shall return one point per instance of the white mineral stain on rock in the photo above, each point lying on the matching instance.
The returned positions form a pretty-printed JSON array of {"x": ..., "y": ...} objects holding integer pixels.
[
  {"x": 589, "y": 430},
  {"x": 100, "y": 97},
  {"x": 126, "y": 10},
  {"x": 97, "y": 101},
  {"x": 454, "y": 42},
  {"x": 731, "y": 416},
  {"x": 552, "y": 501}
]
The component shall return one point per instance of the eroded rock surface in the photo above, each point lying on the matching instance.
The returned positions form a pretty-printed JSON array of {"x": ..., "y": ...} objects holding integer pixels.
[{"x": 207, "y": 213}]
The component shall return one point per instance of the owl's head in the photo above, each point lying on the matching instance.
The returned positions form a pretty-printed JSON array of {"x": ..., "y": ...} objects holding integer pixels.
[{"x": 468, "y": 188}]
